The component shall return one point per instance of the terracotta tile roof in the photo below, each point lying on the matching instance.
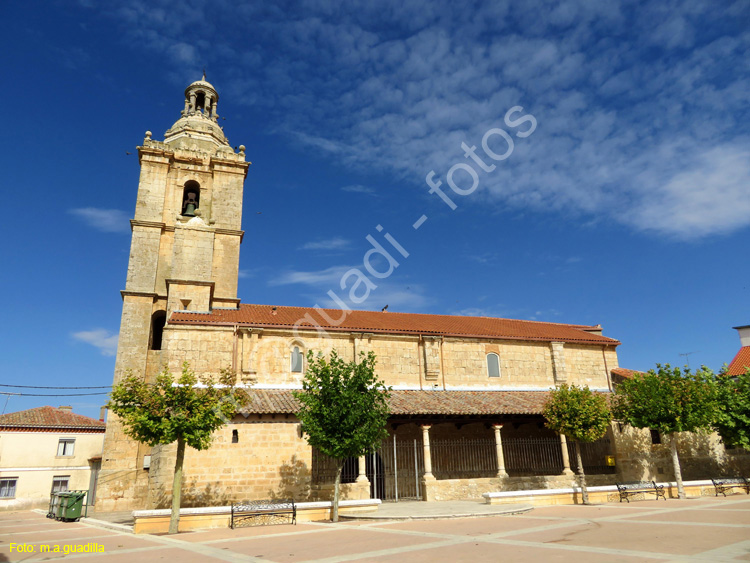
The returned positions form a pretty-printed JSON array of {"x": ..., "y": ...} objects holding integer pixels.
[
  {"x": 468, "y": 402},
  {"x": 49, "y": 417},
  {"x": 619, "y": 374},
  {"x": 269, "y": 316},
  {"x": 281, "y": 401},
  {"x": 740, "y": 363}
]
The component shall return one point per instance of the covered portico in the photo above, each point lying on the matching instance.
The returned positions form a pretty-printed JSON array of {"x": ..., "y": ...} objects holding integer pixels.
[{"x": 445, "y": 445}]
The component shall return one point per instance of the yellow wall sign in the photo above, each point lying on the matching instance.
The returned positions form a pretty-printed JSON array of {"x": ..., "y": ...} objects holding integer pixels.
[{"x": 611, "y": 460}]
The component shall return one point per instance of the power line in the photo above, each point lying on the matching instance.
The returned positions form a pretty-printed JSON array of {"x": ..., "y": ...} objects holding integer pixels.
[
  {"x": 43, "y": 387},
  {"x": 45, "y": 395}
]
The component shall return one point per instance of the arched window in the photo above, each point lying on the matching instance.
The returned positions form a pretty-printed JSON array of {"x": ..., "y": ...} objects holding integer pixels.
[
  {"x": 200, "y": 101},
  {"x": 191, "y": 197},
  {"x": 493, "y": 365},
  {"x": 235, "y": 437},
  {"x": 296, "y": 360},
  {"x": 158, "y": 320}
]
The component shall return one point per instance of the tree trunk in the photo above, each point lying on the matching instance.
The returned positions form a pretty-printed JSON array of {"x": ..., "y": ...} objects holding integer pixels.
[
  {"x": 581, "y": 474},
  {"x": 336, "y": 486},
  {"x": 174, "y": 521},
  {"x": 676, "y": 465}
]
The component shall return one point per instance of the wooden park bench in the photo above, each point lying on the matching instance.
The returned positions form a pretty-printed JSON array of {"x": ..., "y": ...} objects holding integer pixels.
[
  {"x": 260, "y": 512},
  {"x": 723, "y": 484},
  {"x": 627, "y": 490}
]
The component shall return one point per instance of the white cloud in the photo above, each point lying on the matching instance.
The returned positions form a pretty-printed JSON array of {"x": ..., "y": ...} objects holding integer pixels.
[
  {"x": 99, "y": 338},
  {"x": 399, "y": 296},
  {"x": 328, "y": 277},
  {"x": 630, "y": 100},
  {"x": 105, "y": 220},
  {"x": 358, "y": 188},
  {"x": 336, "y": 243},
  {"x": 480, "y": 312},
  {"x": 709, "y": 197}
]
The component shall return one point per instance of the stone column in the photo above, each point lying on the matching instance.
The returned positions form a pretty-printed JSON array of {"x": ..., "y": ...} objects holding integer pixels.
[
  {"x": 429, "y": 483},
  {"x": 565, "y": 456},
  {"x": 362, "y": 470},
  {"x": 426, "y": 446},
  {"x": 192, "y": 102},
  {"x": 499, "y": 448},
  {"x": 360, "y": 489},
  {"x": 215, "y": 110}
]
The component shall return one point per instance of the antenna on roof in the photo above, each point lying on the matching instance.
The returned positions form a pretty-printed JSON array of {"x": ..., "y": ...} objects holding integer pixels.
[
  {"x": 687, "y": 359},
  {"x": 383, "y": 309},
  {"x": 7, "y": 398}
]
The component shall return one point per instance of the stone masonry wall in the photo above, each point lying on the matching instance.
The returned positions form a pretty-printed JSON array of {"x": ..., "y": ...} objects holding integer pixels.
[
  {"x": 702, "y": 456},
  {"x": 207, "y": 350},
  {"x": 265, "y": 355},
  {"x": 269, "y": 460},
  {"x": 586, "y": 365}
]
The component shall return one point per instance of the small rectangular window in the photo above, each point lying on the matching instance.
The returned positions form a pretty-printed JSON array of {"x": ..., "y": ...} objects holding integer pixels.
[
  {"x": 8, "y": 487},
  {"x": 655, "y": 436},
  {"x": 66, "y": 447},
  {"x": 60, "y": 483}
]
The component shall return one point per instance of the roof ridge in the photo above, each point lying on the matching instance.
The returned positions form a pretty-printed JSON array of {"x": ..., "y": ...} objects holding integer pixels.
[
  {"x": 49, "y": 417},
  {"x": 391, "y": 313}
]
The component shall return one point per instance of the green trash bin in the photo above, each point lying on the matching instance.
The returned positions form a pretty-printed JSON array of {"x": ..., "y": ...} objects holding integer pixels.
[
  {"x": 71, "y": 505},
  {"x": 54, "y": 504},
  {"x": 62, "y": 498}
]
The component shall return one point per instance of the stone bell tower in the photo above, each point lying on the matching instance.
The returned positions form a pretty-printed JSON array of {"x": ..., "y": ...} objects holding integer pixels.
[{"x": 184, "y": 255}]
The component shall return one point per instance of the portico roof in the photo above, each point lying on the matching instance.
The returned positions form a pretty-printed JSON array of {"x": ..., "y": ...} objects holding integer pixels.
[{"x": 417, "y": 402}]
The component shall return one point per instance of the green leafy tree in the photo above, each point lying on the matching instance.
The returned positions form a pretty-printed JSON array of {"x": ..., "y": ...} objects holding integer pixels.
[
  {"x": 582, "y": 416},
  {"x": 186, "y": 410},
  {"x": 669, "y": 400},
  {"x": 344, "y": 409},
  {"x": 733, "y": 417}
]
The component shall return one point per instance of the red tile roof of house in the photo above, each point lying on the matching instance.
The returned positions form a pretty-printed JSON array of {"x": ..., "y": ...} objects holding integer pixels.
[
  {"x": 282, "y": 401},
  {"x": 740, "y": 363},
  {"x": 268, "y": 316},
  {"x": 49, "y": 417}
]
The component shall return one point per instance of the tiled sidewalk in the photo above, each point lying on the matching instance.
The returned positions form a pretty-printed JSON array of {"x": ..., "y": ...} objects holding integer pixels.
[{"x": 706, "y": 529}]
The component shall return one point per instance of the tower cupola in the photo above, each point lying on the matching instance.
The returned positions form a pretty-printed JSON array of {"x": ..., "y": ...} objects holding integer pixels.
[
  {"x": 198, "y": 127},
  {"x": 201, "y": 97}
]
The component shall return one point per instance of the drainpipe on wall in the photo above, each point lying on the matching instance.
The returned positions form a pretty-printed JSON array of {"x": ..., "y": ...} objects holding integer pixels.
[
  {"x": 420, "y": 351},
  {"x": 234, "y": 349},
  {"x": 606, "y": 369},
  {"x": 442, "y": 363}
]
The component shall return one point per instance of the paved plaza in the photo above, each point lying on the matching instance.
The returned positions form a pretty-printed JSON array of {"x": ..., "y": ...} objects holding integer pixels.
[{"x": 702, "y": 529}]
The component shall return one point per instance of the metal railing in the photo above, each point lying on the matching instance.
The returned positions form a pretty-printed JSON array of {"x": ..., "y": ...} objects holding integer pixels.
[
  {"x": 395, "y": 469},
  {"x": 464, "y": 458},
  {"x": 532, "y": 456},
  {"x": 594, "y": 455}
]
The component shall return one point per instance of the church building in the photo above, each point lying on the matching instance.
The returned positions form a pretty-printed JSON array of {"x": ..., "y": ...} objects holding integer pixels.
[{"x": 467, "y": 391}]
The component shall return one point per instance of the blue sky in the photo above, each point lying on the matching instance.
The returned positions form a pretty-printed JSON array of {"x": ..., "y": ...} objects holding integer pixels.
[{"x": 628, "y": 205}]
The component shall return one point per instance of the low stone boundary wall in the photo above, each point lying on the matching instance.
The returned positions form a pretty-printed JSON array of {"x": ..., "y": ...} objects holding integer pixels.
[
  {"x": 601, "y": 494},
  {"x": 157, "y": 521}
]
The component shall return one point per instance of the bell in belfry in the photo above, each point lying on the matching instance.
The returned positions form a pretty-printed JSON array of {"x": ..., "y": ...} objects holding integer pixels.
[{"x": 189, "y": 205}]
